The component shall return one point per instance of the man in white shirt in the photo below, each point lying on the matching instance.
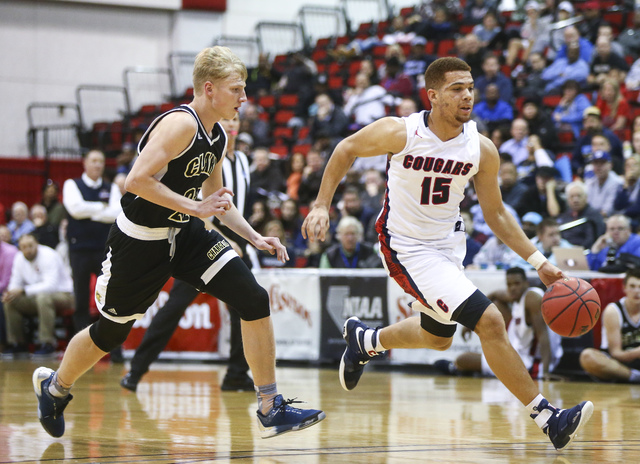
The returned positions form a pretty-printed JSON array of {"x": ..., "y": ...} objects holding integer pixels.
[
  {"x": 39, "y": 285},
  {"x": 93, "y": 205}
]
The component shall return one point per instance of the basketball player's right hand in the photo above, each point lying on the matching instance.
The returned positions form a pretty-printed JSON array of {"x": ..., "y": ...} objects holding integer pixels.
[
  {"x": 216, "y": 204},
  {"x": 316, "y": 224},
  {"x": 549, "y": 273}
]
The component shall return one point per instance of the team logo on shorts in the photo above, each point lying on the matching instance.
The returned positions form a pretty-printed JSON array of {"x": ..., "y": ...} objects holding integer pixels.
[
  {"x": 216, "y": 249},
  {"x": 443, "y": 306}
]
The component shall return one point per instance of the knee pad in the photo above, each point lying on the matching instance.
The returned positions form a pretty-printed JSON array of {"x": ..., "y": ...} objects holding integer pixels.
[
  {"x": 254, "y": 306},
  {"x": 108, "y": 335}
]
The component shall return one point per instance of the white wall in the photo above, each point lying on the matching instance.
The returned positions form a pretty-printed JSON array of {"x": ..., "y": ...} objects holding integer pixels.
[{"x": 47, "y": 49}]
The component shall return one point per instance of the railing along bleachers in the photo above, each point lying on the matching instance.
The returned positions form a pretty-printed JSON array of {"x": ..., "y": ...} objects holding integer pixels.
[
  {"x": 322, "y": 22},
  {"x": 280, "y": 38},
  {"x": 246, "y": 48},
  {"x": 104, "y": 113},
  {"x": 148, "y": 86},
  {"x": 360, "y": 12},
  {"x": 54, "y": 130}
]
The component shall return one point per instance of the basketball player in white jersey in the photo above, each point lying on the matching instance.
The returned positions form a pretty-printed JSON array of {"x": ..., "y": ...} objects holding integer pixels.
[
  {"x": 538, "y": 346},
  {"x": 431, "y": 157}
]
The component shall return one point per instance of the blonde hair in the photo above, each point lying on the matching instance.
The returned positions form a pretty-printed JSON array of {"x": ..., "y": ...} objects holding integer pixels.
[{"x": 214, "y": 64}]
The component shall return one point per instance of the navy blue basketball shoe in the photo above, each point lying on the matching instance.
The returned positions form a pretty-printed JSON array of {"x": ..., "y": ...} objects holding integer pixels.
[
  {"x": 564, "y": 424},
  {"x": 283, "y": 418},
  {"x": 50, "y": 408},
  {"x": 355, "y": 355}
]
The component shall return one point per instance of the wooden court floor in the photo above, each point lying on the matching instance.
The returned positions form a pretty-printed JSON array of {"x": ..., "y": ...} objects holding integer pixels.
[{"x": 179, "y": 415}]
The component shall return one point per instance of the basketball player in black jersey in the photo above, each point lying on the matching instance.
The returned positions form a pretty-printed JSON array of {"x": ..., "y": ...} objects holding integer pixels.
[
  {"x": 160, "y": 234},
  {"x": 619, "y": 355}
]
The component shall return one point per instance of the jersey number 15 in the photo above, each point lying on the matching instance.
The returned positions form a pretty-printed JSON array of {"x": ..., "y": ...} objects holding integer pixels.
[{"x": 440, "y": 193}]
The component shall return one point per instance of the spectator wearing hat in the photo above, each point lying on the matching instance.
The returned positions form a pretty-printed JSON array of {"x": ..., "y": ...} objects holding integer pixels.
[
  {"x": 592, "y": 124},
  {"x": 618, "y": 239},
  {"x": 627, "y": 199},
  {"x": 418, "y": 60},
  {"x": 491, "y": 74},
  {"x": 564, "y": 68},
  {"x": 568, "y": 114},
  {"x": 534, "y": 34},
  {"x": 564, "y": 11},
  {"x": 511, "y": 188},
  {"x": 545, "y": 197},
  {"x": 603, "y": 186},
  {"x": 592, "y": 18},
  {"x": 583, "y": 224},
  {"x": 539, "y": 122},
  {"x": 530, "y": 223},
  {"x": 244, "y": 143}
]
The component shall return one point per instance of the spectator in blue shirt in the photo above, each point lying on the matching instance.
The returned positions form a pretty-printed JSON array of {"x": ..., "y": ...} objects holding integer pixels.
[
  {"x": 19, "y": 223},
  {"x": 568, "y": 113},
  {"x": 571, "y": 35},
  {"x": 627, "y": 199},
  {"x": 493, "y": 110},
  {"x": 491, "y": 74},
  {"x": 617, "y": 239},
  {"x": 564, "y": 68}
]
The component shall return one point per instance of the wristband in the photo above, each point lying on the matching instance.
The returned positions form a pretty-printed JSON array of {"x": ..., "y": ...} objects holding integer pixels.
[{"x": 537, "y": 259}]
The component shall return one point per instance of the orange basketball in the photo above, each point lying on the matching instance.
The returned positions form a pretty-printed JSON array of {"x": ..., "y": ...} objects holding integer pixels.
[{"x": 570, "y": 307}]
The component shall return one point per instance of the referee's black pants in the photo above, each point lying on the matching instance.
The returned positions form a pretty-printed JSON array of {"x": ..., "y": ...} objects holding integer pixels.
[
  {"x": 84, "y": 263},
  {"x": 165, "y": 322}
]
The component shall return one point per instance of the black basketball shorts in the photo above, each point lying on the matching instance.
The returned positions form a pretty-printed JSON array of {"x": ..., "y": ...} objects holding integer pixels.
[{"x": 136, "y": 269}]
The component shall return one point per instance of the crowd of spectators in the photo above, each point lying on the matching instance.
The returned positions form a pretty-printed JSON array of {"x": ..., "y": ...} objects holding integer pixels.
[{"x": 556, "y": 89}]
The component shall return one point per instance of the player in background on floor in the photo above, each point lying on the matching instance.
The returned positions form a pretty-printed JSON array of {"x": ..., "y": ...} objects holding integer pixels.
[{"x": 619, "y": 356}]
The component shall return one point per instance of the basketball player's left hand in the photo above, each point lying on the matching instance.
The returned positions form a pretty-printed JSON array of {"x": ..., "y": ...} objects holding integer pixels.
[
  {"x": 549, "y": 273},
  {"x": 273, "y": 246}
]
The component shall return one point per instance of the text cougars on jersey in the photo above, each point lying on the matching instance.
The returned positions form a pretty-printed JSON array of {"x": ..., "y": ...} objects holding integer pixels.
[
  {"x": 201, "y": 164},
  {"x": 439, "y": 165}
]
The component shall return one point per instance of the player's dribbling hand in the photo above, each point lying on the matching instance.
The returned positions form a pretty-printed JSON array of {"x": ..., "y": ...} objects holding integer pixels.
[
  {"x": 216, "y": 204},
  {"x": 549, "y": 273},
  {"x": 273, "y": 246},
  {"x": 316, "y": 224}
]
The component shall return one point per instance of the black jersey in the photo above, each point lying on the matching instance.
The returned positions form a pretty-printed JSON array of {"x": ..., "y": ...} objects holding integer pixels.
[
  {"x": 184, "y": 174},
  {"x": 629, "y": 331}
]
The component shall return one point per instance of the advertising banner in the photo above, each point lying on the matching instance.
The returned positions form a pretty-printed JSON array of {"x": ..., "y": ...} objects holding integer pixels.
[
  {"x": 344, "y": 296},
  {"x": 196, "y": 332},
  {"x": 295, "y": 311}
]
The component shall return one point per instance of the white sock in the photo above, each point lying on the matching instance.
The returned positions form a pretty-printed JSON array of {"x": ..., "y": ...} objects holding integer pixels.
[
  {"x": 541, "y": 417},
  {"x": 372, "y": 341},
  {"x": 635, "y": 376}
]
